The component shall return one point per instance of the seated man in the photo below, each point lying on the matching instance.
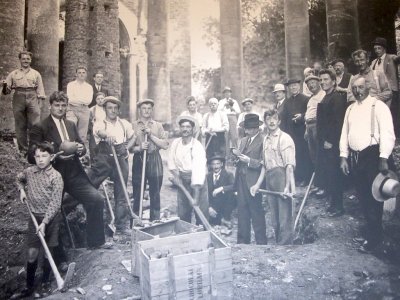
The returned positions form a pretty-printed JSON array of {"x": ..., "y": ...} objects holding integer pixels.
[{"x": 220, "y": 195}]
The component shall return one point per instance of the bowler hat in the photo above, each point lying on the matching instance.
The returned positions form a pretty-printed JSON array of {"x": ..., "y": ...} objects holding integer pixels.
[
  {"x": 279, "y": 87},
  {"x": 380, "y": 41},
  {"x": 251, "y": 121},
  {"x": 227, "y": 89},
  {"x": 247, "y": 100},
  {"x": 216, "y": 156},
  {"x": 143, "y": 101},
  {"x": 385, "y": 187},
  {"x": 308, "y": 78},
  {"x": 291, "y": 81},
  {"x": 112, "y": 99}
]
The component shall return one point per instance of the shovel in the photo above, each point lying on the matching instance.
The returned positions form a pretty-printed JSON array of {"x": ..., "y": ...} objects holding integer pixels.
[
  {"x": 62, "y": 284},
  {"x": 143, "y": 179},
  {"x": 283, "y": 195},
  {"x": 111, "y": 225},
  {"x": 304, "y": 201}
]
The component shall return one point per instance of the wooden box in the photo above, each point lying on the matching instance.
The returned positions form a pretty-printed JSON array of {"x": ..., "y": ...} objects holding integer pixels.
[
  {"x": 198, "y": 266},
  {"x": 171, "y": 227}
]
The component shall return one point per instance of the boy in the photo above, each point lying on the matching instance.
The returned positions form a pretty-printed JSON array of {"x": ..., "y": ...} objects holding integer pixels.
[
  {"x": 278, "y": 170},
  {"x": 97, "y": 114},
  {"x": 44, "y": 187}
]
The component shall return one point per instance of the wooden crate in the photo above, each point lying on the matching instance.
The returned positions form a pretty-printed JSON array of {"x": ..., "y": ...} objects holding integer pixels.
[
  {"x": 199, "y": 266},
  {"x": 173, "y": 226}
]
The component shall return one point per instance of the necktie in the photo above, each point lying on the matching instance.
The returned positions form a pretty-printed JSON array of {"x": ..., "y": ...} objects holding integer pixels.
[
  {"x": 248, "y": 142},
  {"x": 216, "y": 177},
  {"x": 64, "y": 133},
  {"x": 378, "y": 62}
]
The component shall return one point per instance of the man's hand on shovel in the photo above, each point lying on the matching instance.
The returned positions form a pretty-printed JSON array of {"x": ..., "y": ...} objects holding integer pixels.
[{"x": 22, "y": 195}]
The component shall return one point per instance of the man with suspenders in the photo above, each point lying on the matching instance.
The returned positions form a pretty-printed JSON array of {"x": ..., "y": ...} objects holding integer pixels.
[{"x": 366, "y": 144}]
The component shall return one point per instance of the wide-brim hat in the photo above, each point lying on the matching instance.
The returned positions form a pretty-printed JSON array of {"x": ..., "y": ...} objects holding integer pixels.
[
  {"x": 311, "y": 77},
  {"x": 380, "y": 41},
  {"x": 216, "y": 156},
  {"x": 227, "y": 89},
  {"x": 385, "y": 187},
  {"x": 291, "y": 81},
  {"x": 279, "y": 87},
  {"x": 112, "y": 99},
  {"x": 251, "y": 121},
  {"x": 247, "y": 100},
  {"x": 187, "y": 118},
  {"x": 143, "y": 101}
]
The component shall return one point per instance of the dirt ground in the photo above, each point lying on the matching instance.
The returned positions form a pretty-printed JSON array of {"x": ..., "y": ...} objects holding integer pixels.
[{"x": 328, "y": 268}]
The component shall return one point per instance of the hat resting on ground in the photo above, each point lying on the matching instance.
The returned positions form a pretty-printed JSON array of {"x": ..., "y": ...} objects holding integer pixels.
[
  {"x": 380, "y": 41},
  {"x": 144, "y": 101},
  {"x": 251, "y": 121},
  {"x": 279, "y": 87},
  {"x": 311, "y": 77},
  {"x": 385, "y": 187},
  {"x": 112, "y": 99},
  {"x": 291, "y": 81},
  {"x": 247, "y": 100}
]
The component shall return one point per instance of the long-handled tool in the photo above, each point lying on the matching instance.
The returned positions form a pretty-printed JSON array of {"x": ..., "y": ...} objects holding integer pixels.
[
  {"x": 304, "y": 201},
  {"x": 122, "y": 180},
  {"x": 62, "y": 284},
  {"x": 208, "y": 142},
  {"x": 196, "y": 208},
  {"x": 281, "y": 194},
  {"x": 111, "y": 225},
  {"x": 71, "y": 239},
  {"x": 143, "y": 180}
]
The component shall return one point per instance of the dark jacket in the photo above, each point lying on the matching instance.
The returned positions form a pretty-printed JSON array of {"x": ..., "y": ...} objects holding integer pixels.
[
  {"x": 344, "y": 83},
  {"x": 292, "y": 106},
  {"x": 225, "y": 180},
  {"x": 390, "y": 69},
  {"x": 103, "y": 89}
]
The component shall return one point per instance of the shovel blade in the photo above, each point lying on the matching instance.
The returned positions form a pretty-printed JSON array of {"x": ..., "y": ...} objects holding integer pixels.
[{"x": 68, "y": 277}]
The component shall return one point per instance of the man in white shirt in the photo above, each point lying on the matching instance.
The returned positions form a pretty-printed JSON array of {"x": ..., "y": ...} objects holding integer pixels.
[
  {"x": 187, "y": 163},
  {"x": 215, "y": 124},
  {"x": 369, "y": 146},
  {"x": 231, "y": 108},
  {"x": 80, "y": 94}
]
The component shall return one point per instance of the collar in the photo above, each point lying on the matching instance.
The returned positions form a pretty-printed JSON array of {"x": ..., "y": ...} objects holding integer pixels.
[
  {"x": 48, "y": 170},
  {"x": 109, "y": 122},
  {"x": 382, "y": 57},
  {"x": 367, "y": 70},
  {"x": 57, "y": 121},
  {"x": 217, "y": 174},
  {"x": 150, "y": 121},
  {"x": 277, "y": 133},
  {"x": 25, "y": 70}
]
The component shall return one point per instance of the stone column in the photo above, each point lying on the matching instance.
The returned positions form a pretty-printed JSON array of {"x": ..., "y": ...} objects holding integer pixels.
[
  {"x": 43, "y": 41},
  {"x": 12, "y": 16},
  {"x": 342, "y": 25},
  {"x": 297, "y": 37},
  {"x": 158, "y": 67},
  {"x": 231, "y": 46},
  {"x": 179, "y": 55},
  {"x": 76, "y": 44}
]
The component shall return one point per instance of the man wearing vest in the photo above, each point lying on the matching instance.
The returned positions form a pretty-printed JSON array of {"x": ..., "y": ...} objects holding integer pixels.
[
  {"x": 366, "y": 144},
  {"x": 117, "y": 133}
]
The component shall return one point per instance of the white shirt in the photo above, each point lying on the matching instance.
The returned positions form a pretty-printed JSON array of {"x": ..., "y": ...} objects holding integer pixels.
[
  {"x": 356, "y": 130},
  {"x": 226, "y": 108},
  {"x": 79, "y": 93},
  {"x": 217, "y": 121},
  {"x": 60, "y": 132},
  {"x": 121, "y": 129},
  {"x": 97, "y": 113},
  {"x": 311, "y": 112},
  {"x": 188, "y": 158}
]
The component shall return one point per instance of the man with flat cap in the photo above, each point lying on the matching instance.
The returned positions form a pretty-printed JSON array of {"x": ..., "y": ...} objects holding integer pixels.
[
  {"x": 231, "y": 108},
  {"x": 387, "y": 64},
  {"x": 292, "y": 122},
  {"x": 187, "y": 164},
  {"x": 151, "y": 137},
  {"x": 248, "y": 168},
  {"x": 117, "y": 133}
]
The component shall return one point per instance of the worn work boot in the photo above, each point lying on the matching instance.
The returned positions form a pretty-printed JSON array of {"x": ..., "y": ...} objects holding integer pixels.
[{"x": 154, "y": 215}]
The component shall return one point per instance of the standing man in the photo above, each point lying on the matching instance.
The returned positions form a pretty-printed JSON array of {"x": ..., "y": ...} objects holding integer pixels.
[
  {"x": 187, "y": 163},
  {"x": 376, "y": 80},
  {"x": 231, "y": 108},
  {"x": 56, "y": 129},
  {"x": 28, "y": 91},
  {"x": 98, "y": 87},
  {"x": 292, "y": 122},
  {"x": 330, "y": 115},
  {"x": 342, "y": 77},
  {"x": 387, "y": 64},
  {"x": 247, "y": 109},
  {"x": 215, "y": 125},
  {"x": 80, "y": 95},
  {"x": 118, "y": 133},
  {"x": 248, "y": 168},
  {"x": 368, "y": 145},
  {"x": 151, "y": 137},
  {"x": 280, "y": 97}
]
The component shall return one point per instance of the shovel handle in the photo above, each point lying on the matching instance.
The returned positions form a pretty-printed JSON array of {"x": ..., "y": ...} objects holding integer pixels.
[
  {"x": 304, "y": 201},
  {"x": 143, "y": 179},
  {"x": 283, "y": 195},
  {"x": 208, "y": 142},
  {"x": 108, "y": 203}
]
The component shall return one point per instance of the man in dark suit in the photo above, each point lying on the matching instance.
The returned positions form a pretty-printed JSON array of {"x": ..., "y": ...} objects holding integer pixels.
[
  {"x": 387, "y": 64},
  {"x": 342, "y": 77},
  {"x": 220, "y": 194},
  {"x": 280, "y": 97},
  {"x": 292, "y": 122},
  {"x": 98, "y": 86},
  {"x": 248, "y": 168},
  {"x": 56, "y": 129}
]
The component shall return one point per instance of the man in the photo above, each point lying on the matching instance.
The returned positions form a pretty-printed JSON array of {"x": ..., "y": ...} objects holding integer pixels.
[
  {"x": 117, "y": 133},
  {"x": 215, "y": 125},
  {"x": 248, "y": 168},
  {"x": 191, "y": 105},
  {"x": 187, "y": 163},
  {"x": 80, "y": 95},
  {"x": 292, "y": 122},
  {"x": 220, "y": 192},
  {"x": 376, "y": 80},
  {"x": 56, "y": 129},
  {"x": 98, "y": 87},
  {"x": 28, "y": 88},
  {"x": 151, "y": 137},
  {"x": 280, "y": 97},
  {"x": 342, "y": 77},
  {"x": 307, "y": 72},
  {"x": 278, "y": 172},
  {"x": 247, "y": 108},
  {"x": 330, "y": 115},
  {"x": 369, "y": 146},
  {"x": 387, "y": 64},
  {"x": 231, "y": 108},
  {"x": 317, "y": 66}
]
